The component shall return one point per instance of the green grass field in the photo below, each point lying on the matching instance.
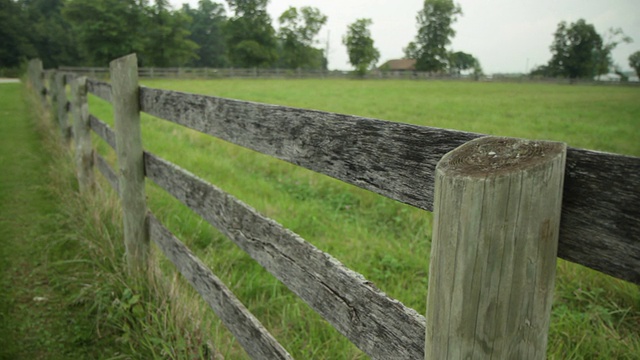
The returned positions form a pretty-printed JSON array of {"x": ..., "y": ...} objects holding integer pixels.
[{"x": 594, "y": 316}]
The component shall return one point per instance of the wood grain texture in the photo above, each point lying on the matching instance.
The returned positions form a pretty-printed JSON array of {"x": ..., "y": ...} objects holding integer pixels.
[
  {"x": 249, "y": 332},
  {"x": 601, "y": 209},
  {"x": 99, "y": 88},
  {"x": 494, "y": 249},
  {"x": 380, "y": 326},
  {"x": 126, "y": 113},
  {"x": 82, "y": 134},
  {"x": 600, "y": 225},
  {"x": 381, "y": 156},
  {"x": 106, "y": 171},
  {"x": 103, "y": 130}
]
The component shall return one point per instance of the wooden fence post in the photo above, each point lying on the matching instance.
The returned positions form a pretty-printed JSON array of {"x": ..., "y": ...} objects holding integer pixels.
[
  {"x": 31, "y": 73},
  {"x": 493, "y": 258},
  {"x": 82, "y": 134},
  {"x": 63, "y": 106},
  {"x": 126, "y": 108},
  {"x": 37, "y": 79},
  {"x": 53, "y": 92}
]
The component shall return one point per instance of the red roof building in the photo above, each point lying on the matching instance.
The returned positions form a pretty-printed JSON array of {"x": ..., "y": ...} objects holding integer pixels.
[{"x": 399, "y": 65}]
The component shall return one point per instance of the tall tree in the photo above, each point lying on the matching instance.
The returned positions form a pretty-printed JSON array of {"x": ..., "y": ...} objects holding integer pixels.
[
  {"x": 166, "y": 42},
  {"x": 634, "y": 62},
  {"x": 297, "y": 33},
  {"x": 251, "y": 40},
  {"x": 49, "y": 33},
  {"x": 16, "y": 45},
  {"x": 206, "y": 28},
  {"x": 106, "y": 29},
  {"x": 577, "y": 51},
  {"x": 603, "y": 61},
  {"x": 434, "y": 34},
  {"x": 362, "y": 54},
  {"x": 460, "y": 61}
]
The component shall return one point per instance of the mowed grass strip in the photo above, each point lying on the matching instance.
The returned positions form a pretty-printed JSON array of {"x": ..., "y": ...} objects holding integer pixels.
[
  {"x": 37, "y": 320},
  {"x": 594, "y": 316},
  {"x": 65, "y": 290}
]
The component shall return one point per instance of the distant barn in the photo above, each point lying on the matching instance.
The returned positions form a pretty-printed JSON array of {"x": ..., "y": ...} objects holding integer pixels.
[{"x": 399, "y": 65}]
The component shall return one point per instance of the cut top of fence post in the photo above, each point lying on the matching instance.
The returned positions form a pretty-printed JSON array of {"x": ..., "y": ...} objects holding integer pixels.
[
  {"x": 494, "y": 249},
  {"x": 496, "y": 156}
]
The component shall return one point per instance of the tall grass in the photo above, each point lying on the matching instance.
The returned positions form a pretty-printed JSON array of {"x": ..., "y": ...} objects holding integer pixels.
[
  {"x": 594, "y": 316},
  {"x": 130, "y": 316}
]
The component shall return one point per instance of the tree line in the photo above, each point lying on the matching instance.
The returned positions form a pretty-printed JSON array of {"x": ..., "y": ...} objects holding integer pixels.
[
  {"x": 94, "y": 32},
  {"x": 429, "y": 49},
  {"x": 578, "y": 51}
]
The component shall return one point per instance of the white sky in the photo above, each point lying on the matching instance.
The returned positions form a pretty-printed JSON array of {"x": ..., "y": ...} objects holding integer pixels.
[{"x": 507, "y": 36}]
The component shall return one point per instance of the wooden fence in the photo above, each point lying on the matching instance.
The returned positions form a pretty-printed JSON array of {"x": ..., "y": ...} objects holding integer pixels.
[
  {"x": 216, "y": 73},
  {"x": 497, "y": 204},
  {"x": 253, "y": 73}
]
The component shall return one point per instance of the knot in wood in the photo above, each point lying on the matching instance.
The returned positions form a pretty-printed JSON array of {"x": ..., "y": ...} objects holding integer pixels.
[{"x": 498, "y": 155}]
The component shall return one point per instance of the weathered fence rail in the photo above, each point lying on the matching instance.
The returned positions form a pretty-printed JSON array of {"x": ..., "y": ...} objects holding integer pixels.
[
  {"x": 220, "y": 73},
  {"x": 599, "y": 201}
]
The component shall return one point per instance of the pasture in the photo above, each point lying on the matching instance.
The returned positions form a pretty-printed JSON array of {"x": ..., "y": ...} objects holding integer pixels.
[{"x": 594, "y": 316}]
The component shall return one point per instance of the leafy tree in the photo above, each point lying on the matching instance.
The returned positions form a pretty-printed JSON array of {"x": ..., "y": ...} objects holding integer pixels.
[
  {"x": 15, "y": 45},
  {"x": 106, "y": 29},
  {"x": 362, "y": 53},
  {"x": 247, "y": 8},
  {"x": 634, "y": 62},
  {"x": 460, "y": 61},
  {"x": 434, "y": 34},
  {"x": 541, "y": 71},
  {"x": 166, "y": 42},
  {"x": 603, "y": 60},
  {"x": 49, "y": 33},
  {"x": 577, "y": 51},
  {"x": 206, "y": 28},
  {"x": 298, "y": 30},
  {"x": 251, "y": 40}
]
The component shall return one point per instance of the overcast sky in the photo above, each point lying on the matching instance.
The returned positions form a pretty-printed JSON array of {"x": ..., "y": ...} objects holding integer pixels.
[{"x": 505, "y": 35}]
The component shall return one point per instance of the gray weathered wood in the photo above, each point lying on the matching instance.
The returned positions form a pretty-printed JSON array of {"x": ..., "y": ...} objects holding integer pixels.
[
  {"x": 381, "y": 156},
  {"x": 600, "y": 225},
  {"x": 52, "y": 93},
  {"x": 126, "y": 110},
  {"x": 37, "y": 79},
  {"x": 601, "y": 209},
  {"x": 103, "y": 130},
  {"x": 82, "y": 134},
  {"x": 62, "y": 107},
  {"x": 248, "y": 330},
  {"x": 99, "y": 88},
  {"x": 380, "y": 326},
  {"x": 494, "y": 249},
  {"x": 106, "y": 171}
]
